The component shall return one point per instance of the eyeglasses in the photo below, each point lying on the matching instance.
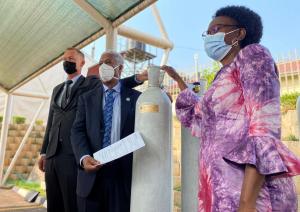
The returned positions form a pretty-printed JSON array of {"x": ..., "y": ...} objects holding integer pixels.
[{"x": 216, "y": 28}]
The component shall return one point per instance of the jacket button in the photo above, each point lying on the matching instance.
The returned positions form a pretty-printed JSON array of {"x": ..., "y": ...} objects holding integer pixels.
[{"x": 60, "y": 139}]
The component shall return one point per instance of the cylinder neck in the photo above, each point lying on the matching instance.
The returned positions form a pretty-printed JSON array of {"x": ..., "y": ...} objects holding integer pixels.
[{"x": 154, "y": 75}]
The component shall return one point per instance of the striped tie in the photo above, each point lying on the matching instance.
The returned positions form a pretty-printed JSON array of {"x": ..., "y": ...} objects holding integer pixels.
[{"x": 108, "y": 113}]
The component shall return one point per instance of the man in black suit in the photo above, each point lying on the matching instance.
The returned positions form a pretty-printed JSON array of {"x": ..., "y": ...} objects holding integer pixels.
[
  {"x": 57, "y": 157},
  {"x": 103, "y": 119}
]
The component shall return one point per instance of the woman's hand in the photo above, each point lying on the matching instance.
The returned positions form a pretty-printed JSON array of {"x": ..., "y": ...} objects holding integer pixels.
[
  {"x": 171, "y": 72},
  {"x": 251, "y": 187},
  {"x": 174, "y": 75},
  {"x": 245, "y": 208}
]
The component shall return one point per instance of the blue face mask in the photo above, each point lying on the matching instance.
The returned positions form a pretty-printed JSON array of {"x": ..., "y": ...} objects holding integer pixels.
[{"x": 216, "y": 47}]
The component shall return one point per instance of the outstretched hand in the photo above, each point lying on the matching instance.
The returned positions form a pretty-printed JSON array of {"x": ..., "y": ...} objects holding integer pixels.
[
  {"x": 143, "y": 76},
  {"x": 171, "y": 72},
  {"x": 175, "y": 76}
]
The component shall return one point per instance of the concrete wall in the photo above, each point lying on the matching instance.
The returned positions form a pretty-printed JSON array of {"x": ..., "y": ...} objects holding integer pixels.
[
  {"x": 289, "y": 83},
  {"x": 30, "y": 153},
  {"x": 289, "y": 124},
  {"x": 177, "y": 164},
  {"x": 294, "y": 146}
]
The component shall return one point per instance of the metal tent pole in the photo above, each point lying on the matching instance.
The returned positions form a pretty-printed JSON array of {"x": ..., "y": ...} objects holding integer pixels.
[{"x": 4, "y": 131}]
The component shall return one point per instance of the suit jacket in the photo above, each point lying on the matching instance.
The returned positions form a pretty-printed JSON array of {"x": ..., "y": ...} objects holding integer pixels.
[
  {"x": 88, "y": 130},
  {"x": 60, "y": 120}
]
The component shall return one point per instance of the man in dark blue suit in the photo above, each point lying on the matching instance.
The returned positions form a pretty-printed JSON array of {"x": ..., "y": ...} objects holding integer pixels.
[{"x": 105, "y": 115}]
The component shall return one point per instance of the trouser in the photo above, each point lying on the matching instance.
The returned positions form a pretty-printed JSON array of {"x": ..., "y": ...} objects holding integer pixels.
[
  {"x": 61, "y": 181},
  {"x": 111, "y": 190}
]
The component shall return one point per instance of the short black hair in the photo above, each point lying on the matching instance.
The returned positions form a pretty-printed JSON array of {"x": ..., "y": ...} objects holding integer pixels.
[{"x": 247, "y": 19}]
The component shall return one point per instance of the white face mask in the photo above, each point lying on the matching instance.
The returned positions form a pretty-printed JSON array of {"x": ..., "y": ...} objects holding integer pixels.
[
  {"x": 107, "y": 72},
  {"x": 216, "y": 47}
]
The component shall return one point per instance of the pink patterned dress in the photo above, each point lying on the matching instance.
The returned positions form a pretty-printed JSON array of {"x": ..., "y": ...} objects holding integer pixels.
[{"x": 238, "y": 123}]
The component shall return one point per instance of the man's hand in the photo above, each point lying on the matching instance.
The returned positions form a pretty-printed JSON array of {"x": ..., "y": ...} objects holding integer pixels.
[
  {"x": 90, "y": 164},
  {"x": 42, "y": 163},
  {"x": 143, "y": 76}
]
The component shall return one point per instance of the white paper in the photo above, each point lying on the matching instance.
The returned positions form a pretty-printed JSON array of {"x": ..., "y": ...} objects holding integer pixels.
[{"x": 123, "y": 147}]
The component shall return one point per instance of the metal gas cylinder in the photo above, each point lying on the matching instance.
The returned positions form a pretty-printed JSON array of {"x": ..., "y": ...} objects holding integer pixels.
[
  {"x": 189, "y": 160},
  {"x": 152, "y": 165},
  {"x": 298, "y": 115}
]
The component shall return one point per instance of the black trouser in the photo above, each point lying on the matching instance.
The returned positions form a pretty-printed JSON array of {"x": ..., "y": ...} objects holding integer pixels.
[
  {"x": 110, "y": 193},
  {"x": 61, "y": 181}
]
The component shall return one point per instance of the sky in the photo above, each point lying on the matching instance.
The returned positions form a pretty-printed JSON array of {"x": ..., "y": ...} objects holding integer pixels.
[{"x": 186, "y": 20}]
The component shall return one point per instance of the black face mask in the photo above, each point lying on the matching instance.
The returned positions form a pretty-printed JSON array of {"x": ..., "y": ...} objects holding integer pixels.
[{"x": 69, "y": 67}]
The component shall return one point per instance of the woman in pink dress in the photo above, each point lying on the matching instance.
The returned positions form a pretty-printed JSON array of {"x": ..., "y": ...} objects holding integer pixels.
[{"x": 243, "y": 164}]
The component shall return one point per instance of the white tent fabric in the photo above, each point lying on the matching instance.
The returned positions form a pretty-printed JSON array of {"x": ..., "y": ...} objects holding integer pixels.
[{"x": 27, "y": 106}]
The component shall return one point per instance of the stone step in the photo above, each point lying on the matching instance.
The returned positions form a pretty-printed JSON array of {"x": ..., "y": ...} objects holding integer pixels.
[
  {"x": 176, "y": 169},
  {"x": 176, "y": 209},
  {"x": 177, "y": 198},
  {"x": 21, "y": 133},
  {"x": 30, "y": 151},
  {"x": 176, "y": 156},
  {"x": 176, "y": 181},
  {"x": 20, "y": 169},
  {"x": 12, "y": 133},
  {"x": 12, "y": 146}
]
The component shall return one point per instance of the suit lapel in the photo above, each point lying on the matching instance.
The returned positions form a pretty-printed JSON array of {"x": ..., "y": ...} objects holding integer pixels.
[
  {"x": 56, "y": 93},
  {"x": 99, "y": 107},
  {"x": 125, "y": 106},
  {"x": 97, "y": 112}
]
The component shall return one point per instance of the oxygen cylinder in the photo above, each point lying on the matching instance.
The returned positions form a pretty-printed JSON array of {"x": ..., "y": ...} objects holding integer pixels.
[
  {"x": 189, "y": 161},
  {"x": 152, "y": 165},
  {"x": 298, "y": 115}
]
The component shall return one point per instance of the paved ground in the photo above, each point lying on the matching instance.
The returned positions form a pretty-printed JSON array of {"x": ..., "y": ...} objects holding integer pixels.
[
  {"x": 10, "y": 201},
  {"x": 24, "y": 210}
]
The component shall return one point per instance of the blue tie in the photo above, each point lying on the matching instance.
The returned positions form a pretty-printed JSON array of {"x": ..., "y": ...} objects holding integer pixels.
[{"x": 108, "y": 113}]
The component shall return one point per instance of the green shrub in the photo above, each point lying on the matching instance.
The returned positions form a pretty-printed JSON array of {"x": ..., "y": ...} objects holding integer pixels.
[
  {"x": 291, "y": 138},
  {"x": 29, "y": 185},
  {"x": 288, "y": 101},
  {"x": 1, "y": 119},
  {"x": 18, "y": 120},
  {"x": 210, "y": 73},
  {"x": 39, "y": 122},
  {"x": 178, "y": 188}
]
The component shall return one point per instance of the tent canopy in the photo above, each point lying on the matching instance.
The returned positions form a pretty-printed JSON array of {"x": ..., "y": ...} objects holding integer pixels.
[{"x": 35, "y": 33}]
